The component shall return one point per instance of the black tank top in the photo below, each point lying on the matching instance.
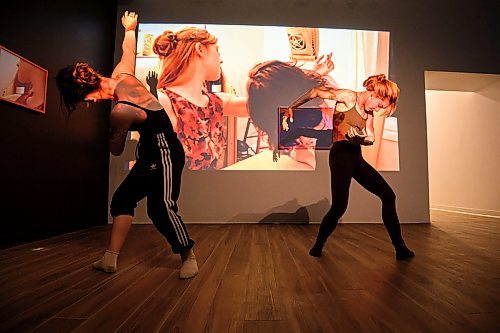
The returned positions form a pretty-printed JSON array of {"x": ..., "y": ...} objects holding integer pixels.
[
  {"x": 156, "y": 133},
  {"x": 343, "y": 121}
]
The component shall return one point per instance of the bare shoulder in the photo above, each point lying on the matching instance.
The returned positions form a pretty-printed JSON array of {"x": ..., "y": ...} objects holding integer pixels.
[
  {"x": 126, "y": 78},
  {"x": 132, "y": 89},
  {"x": 121, "y": 70},
  {"x": 339, "y": 95},
  {"x": 127, "y": 114},
  {"x": 347, "y": 97},
  {"x": 345, "y": 100},
  {"x": 164, "y": 100}
]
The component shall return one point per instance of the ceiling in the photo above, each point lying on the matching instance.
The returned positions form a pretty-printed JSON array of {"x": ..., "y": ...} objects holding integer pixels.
[{"x": 454, "y": 81}]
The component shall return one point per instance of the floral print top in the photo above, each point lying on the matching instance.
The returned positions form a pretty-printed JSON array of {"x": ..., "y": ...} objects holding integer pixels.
[{"x": 201, "y": 130}]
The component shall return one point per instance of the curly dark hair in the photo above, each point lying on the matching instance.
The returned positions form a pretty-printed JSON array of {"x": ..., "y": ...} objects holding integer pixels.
[
  {"x": 75, "y": 82},
  {"x": 273, "y": 84}
]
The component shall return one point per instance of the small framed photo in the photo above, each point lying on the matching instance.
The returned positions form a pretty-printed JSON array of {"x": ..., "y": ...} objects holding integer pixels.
[
  {"x": 22, "y": 82},
  {"x": 312, "y": 127}
]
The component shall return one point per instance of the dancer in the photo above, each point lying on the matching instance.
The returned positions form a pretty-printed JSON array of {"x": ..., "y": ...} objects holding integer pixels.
[
  {"x": 352, "y": 111},
  {"x": 157, "y": 172}
]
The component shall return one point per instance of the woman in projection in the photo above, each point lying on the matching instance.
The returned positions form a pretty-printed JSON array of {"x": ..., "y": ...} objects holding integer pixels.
[
  {"x": 190, "y": 57},
  {"x": 157, "y": 172},
  {"x": 352, "y": 112}
]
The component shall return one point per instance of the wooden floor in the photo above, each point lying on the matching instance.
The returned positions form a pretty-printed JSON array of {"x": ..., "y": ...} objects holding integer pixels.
[{"x": 259, "y": 278}]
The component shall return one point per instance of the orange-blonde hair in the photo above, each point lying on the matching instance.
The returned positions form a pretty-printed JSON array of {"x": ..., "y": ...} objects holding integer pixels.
[
  {"x": 383, "y": 88},
  {"x": 176, "y": 50}
]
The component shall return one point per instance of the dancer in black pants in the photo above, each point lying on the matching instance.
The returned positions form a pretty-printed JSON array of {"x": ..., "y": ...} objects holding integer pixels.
[
  {"x": 352, "y": 113},
  {"x": 157, "y": 172}
]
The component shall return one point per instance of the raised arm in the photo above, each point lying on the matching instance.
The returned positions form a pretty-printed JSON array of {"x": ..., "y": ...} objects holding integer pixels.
[
  {"x": 309, "y": 95},
  {"x": 127, "y": 62}
]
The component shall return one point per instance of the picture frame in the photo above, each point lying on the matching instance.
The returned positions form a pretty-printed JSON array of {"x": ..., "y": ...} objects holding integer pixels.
[
  {"x": 309, "y": 123},
  {"x": 22, "y": 82}
]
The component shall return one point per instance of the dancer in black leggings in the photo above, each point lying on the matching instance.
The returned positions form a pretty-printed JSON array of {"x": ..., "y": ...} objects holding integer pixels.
[
  {"x": 157, "y": 172},
  {"x": 352, "y": 112}
]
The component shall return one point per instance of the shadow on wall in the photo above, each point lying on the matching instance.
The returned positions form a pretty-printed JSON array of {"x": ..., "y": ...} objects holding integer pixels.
[{"x": 280, "y": 214}]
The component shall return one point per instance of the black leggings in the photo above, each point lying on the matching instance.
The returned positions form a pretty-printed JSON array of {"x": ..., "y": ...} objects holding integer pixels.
[{"x": 346, "y": 162}]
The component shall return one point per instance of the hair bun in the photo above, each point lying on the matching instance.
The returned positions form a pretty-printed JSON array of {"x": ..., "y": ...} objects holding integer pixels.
[
  {"x": 165, "y": 44},
  {"x": 371, "y": 80}
]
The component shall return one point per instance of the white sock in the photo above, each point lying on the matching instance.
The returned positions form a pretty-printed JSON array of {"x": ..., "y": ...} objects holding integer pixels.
[
  {"x": 107, "y": 263},
  {"x": 189, "y": 266}
]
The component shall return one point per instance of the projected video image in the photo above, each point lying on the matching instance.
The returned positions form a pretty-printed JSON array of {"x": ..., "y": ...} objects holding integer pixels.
[{"x": 237, "y": 125}]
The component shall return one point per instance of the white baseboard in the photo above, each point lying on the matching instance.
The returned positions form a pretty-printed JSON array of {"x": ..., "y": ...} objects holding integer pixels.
[{"x": 467, "y": 211}]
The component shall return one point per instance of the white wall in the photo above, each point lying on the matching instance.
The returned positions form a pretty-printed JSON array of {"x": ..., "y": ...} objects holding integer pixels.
[{"x": 464, "y": 149}]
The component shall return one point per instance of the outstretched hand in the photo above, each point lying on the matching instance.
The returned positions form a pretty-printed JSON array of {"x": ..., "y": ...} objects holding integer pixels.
[
  {"x": 323, "y": 65},
  {"x": 288, "y": 115},
  {"x": 129, "y": 21},
  {"x": 152, "y": 80}
]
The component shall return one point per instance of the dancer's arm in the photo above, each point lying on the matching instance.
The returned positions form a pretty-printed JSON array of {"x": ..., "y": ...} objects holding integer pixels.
[
  {"x": 375, "y": 128},
  {"x": 233, "y": 105},
  {"x": 127, "y": 62},
  {"x": 123, "y": 116},
  {"x": 347, "y": 97}
]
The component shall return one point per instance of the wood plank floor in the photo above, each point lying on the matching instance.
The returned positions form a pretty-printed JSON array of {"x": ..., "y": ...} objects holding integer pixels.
[{"x": 259, "y": 278}]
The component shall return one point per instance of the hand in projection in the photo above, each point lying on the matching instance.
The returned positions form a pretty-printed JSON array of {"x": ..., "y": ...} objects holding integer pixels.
[
  {"x": 129, "y": 21},
  {"x": 276, "y": 155},
  {"x": 288, "y": 115},
  {"x": 357, "y": 136},
  {"x": 323, "y": 67},
  {"x": 152, "y": 81}
]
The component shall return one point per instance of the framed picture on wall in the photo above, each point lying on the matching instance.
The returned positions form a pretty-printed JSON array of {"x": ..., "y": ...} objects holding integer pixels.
[{"x": 22, "y": 82}]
